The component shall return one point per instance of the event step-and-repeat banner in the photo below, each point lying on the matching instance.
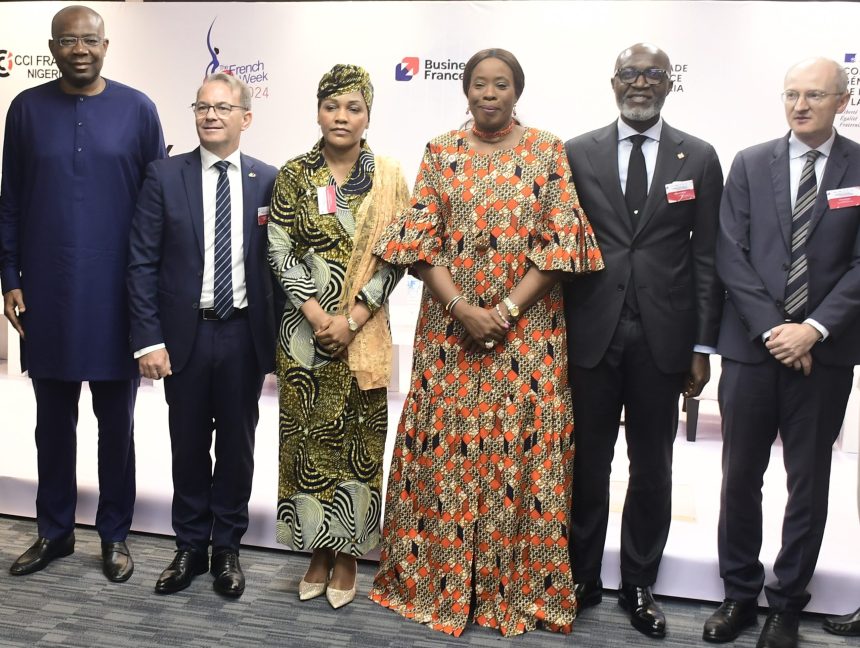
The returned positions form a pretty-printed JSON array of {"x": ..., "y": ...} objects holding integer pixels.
[{"x": 728, "y": 62}]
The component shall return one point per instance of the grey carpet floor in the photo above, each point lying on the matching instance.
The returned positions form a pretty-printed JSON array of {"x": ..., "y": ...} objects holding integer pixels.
[{"x": 72, "y": 604}]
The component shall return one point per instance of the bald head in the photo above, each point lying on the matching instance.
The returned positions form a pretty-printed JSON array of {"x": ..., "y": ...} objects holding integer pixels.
[
  {"x": 68, "y": 14},
  {"x": 658, "y": 56},
  {"x": 824, "y": 68}
]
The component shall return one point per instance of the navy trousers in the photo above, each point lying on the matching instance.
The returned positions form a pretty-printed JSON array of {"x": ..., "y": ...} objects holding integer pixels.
[
  {"x": 217, "y": 390},
  {"x": 56, "y": 444}
]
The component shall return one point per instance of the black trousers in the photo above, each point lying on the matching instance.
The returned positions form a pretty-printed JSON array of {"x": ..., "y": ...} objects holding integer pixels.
[
  {"x": 216, "y": 391},
  {"x": 56, "y": 444},
  {"x": 626, "y": 377},
  {"x": 757, "y": 401}
]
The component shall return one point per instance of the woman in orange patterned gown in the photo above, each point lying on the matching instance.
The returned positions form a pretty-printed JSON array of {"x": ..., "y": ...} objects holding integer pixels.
[{"x": 476, "y": 514}]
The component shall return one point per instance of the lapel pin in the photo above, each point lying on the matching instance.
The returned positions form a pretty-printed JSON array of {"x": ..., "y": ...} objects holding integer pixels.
[
  {"x": 680, "y": 156},
  {"x": 251, "y": 174}
]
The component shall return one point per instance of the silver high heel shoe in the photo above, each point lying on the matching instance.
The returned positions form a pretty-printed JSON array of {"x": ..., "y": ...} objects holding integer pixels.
[
  {"x": 308, "y": 591},
  {"x": 338, "y": 598}
]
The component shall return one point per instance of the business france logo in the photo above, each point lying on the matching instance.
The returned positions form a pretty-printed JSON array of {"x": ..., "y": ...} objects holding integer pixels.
[
  {"x": 407, "y": 68},
  {"x": 253, "y": 73}
]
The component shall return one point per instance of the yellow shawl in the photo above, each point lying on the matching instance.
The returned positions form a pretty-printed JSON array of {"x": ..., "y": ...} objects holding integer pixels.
[{"x": 370, "y": 354}]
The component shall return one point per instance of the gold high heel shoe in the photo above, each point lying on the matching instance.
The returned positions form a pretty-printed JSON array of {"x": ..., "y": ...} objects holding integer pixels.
[
  {"x": 338, "y": 598},
  {"x": 308, "y": 591}
]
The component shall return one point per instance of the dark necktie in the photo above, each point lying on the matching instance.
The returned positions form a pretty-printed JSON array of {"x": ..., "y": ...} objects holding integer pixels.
[
  {"x": 636, "y": 191},
  {"x": 223, "y": 245},
  {"x": 798, "y": 278}
]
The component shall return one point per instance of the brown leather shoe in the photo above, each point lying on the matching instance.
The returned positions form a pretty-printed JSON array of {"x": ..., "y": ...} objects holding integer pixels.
[{"x": 41, "y": 553}]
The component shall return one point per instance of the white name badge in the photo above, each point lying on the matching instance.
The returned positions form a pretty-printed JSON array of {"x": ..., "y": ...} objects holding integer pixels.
[
  {"x": 680, "y": 191},
  {"x": 846, "y": 197},
  {"x": 326, "y": 202}
]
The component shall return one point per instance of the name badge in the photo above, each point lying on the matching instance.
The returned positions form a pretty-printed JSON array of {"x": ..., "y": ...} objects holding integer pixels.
[
  {"x": 262, "y": 215},
  {"x": 680, "y": 191},
  {"x": 326, "y": 203},
  {"x": 847, "y": 197}
]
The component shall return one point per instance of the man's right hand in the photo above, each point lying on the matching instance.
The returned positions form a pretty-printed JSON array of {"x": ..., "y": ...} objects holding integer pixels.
[
  {"x": 13, "y": 305},
  {"x": 155, "y": 364}
]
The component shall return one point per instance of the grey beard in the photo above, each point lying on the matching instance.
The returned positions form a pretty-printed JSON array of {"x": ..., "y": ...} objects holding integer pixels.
[{"x": 638, "y": 113}]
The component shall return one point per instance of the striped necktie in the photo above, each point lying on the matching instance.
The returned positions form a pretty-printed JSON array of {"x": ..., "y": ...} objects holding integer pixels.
[
  {"x": 223, "y": 245},
  {"x": 798, "y": 277}
]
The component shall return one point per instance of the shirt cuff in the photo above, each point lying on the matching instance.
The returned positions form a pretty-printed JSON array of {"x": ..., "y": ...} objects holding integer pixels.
[
  {"x": 701, "y": 348},
  {"x": 818, "y": 327},
  {"x": 149, "y": 349}
]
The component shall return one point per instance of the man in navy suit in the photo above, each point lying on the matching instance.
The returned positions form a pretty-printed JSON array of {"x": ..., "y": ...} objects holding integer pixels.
[
  {"x": 639, "y": 332},
  {"x": 200, "y": 295},
  {"x": 788, "y": 252}
]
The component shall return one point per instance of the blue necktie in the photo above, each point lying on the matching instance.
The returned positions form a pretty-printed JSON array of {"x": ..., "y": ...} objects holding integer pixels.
[
  {"x": 798, "y": 277},
  {"x": 223, "y": 245}
]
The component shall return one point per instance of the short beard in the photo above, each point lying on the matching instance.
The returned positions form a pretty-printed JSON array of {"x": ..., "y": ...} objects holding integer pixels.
[{"x": 640, "y": 113}]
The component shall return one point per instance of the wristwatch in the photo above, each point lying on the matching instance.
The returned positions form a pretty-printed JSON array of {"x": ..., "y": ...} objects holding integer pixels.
[
  {"x": 513, "y": 309},
  {"x": 352, "y": 324}
]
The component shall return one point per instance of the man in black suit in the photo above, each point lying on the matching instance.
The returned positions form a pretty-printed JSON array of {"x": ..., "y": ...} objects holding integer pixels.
[
  {"x": 639, "y": 333},
  {"x": 200, "y": 294},
  {"x": 788, "y": 252}
]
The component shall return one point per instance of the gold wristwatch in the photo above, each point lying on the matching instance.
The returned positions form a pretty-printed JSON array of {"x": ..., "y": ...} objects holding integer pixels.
[
  {"x": 513, "y": 309},
  {"x": 352, "y": 324}
]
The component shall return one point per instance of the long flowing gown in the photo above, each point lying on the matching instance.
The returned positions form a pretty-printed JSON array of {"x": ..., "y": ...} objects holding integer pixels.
[
  {"x": 331, "y": 433},
  {"x": 479, "y": 494}
]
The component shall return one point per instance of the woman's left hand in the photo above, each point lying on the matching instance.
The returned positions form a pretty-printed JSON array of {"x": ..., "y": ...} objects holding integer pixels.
[{"x": 336, "y": 337}]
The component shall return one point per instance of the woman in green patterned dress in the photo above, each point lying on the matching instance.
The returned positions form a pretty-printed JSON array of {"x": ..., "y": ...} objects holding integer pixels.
[{"x": 329, "y": 207}]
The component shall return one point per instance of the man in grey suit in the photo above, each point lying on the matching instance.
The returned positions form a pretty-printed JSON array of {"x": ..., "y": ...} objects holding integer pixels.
[
  {"x": 788, "y": 252},
  {"x": 639, "y": 333}
]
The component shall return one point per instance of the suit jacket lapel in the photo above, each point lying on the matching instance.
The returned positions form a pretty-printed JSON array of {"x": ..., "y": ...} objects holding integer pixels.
[
  {"x": 604, "y": 160},
  {"x": 781, "y": 191},
  {"x": 670, "y": 160},
  {"x": 835, "y": 168},
  {"x": 192, "y": 175},
  {"x": 250, "y": 201}
]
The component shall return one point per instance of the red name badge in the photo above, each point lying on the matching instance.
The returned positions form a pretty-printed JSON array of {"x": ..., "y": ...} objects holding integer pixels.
[
  {"x": 680, "y": 191},
  {"x": 846, "y": 197},
  {"x": 262, "y": 215},
  {"x": 326, "y": 202}
]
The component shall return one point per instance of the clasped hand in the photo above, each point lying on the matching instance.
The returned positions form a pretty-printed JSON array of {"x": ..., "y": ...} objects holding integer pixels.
[
  {"x": 333, "y": 334},
  {"x": 791, "y": 343},
  {"x": 482, "y": 325}
]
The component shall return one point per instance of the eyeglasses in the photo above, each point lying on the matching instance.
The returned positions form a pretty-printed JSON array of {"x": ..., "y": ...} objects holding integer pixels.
[
  {"x": 813, "y": 97},
  {"x": 221, "y": 109},
  {"x": 89, "y": 42},
  {"x": 653, "y": 76}
]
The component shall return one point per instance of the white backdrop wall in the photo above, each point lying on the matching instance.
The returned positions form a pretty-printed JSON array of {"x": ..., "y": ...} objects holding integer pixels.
[{"x": 729, "y": 60}]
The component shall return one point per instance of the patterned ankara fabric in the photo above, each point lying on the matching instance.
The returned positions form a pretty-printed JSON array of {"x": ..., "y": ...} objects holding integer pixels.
[
  {"x": 480, "y": 486},
  {"x": 343, "y": 79},
  {"x": 332, "y": 434}
]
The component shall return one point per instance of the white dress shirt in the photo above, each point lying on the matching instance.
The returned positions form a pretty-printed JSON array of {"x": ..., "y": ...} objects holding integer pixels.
[{"x": 649, "y": 149}]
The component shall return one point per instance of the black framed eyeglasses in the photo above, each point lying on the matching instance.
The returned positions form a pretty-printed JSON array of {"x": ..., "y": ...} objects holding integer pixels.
[
  {"x": 221, "y": 109},
  {"x": 653, "y": 76},
  {"x": 87, "y": 41}
]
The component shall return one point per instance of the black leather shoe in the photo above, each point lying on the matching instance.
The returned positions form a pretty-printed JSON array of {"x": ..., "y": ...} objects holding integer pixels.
[
  {"x": 847, "y": 625},
  {"x": 41, "y": 553},
  {"x": 645, "y": 613},
  {"x": 730, "y": 618},
  {"x": 186, "y": 564},
  {"x": 229, "y": 578},
  {"x": 779, "y": 631},
  {"x": 117, "y": 564},
  {"x": 588, "y": 593}
]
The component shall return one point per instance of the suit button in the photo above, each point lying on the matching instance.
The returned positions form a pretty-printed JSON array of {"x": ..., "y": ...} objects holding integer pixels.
[
  {"x": 785, "y": 266},
  {"x": 620, "y": 287},
  {"x": 199, "y": 273},
  {"x": 779, "y": 303},
  {"x": 194, "y": 305}
]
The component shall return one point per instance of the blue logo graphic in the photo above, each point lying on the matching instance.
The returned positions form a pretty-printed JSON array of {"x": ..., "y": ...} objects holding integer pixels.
[
  {"x": 850, "y": 57},
  {"x": 213, "y": 66}
]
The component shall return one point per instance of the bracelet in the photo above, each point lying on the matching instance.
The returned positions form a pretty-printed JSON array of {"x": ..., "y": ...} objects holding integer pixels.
[
  {"x": 505, "y": 322},
  {"x": 450, "y": 305}
]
